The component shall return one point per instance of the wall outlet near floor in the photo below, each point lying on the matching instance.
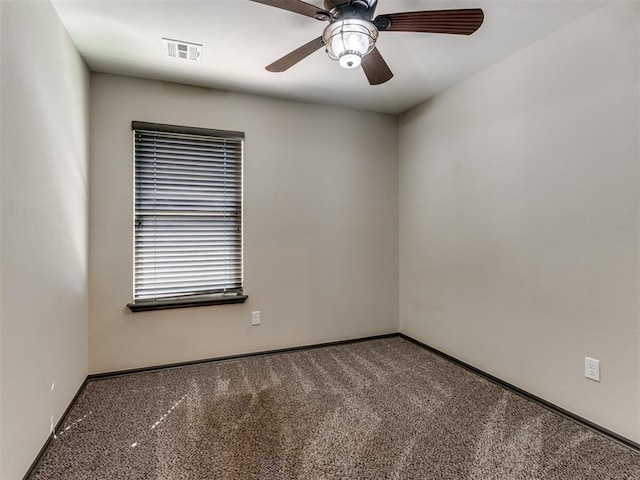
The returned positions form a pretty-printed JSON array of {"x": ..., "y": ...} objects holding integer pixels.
[
  {"x": 592, "y": 369},
  {"x": 255, "y": 318}
]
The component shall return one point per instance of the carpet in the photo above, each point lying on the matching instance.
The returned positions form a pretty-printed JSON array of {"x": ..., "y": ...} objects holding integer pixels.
[{"x": 378, "y": 409}]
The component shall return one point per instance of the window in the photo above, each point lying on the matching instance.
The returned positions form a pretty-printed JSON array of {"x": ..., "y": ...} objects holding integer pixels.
[{"x": 188, "y": 217}]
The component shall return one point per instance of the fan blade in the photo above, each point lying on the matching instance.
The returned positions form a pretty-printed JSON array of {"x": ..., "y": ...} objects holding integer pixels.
[
  {"x": 375, "y": 68},
  {"x": 290, "y": 59},
  {"x": 298, "y": 6},
  {"x": 458, "y": 22}
]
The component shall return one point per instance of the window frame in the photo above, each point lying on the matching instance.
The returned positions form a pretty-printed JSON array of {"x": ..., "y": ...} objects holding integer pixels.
[{"x": 191, "y": 299}]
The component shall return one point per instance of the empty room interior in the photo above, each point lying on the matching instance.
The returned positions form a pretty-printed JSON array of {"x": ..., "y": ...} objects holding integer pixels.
[{"x": 408, "y": 248}]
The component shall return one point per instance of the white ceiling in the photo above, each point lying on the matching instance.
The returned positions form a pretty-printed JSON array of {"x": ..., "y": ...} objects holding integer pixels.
[{"x": 241, "y": 37}]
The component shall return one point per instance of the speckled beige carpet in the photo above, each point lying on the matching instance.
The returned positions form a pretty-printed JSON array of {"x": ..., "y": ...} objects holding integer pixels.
[{"x": 380, "y": 409}]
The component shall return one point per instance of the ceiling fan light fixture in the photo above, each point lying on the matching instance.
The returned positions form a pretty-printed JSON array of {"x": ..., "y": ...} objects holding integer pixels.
[{"x": 349, "y": 40}]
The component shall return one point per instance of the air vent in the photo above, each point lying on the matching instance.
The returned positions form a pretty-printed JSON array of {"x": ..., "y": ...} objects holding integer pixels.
[{"x": 184, "y": 50}]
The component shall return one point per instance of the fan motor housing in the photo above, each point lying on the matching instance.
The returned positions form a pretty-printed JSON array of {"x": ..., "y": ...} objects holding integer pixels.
[
  {"x": 341, "y": 9},
  {"x": 331, "y": 4}
]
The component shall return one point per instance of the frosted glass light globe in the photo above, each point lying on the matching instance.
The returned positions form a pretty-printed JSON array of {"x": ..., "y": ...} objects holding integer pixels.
[{"x": 349, "y": 40}]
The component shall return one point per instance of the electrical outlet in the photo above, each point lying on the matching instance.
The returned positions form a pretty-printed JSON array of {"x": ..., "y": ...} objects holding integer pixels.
[
  {"x": 255, "y": 318},
  {"x": 592, "y": 369}
]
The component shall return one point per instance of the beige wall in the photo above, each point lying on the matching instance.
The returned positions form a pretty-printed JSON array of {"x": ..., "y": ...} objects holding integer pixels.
[
  {"x": 320, "y": 236},
  {"x": 44, "y": 90},
  {"x": 519, "y": 219}
]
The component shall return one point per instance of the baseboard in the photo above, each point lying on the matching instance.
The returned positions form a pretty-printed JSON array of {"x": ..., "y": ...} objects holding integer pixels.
[
  {"x": 36, "y": 462},
  {"x": 119, "y": 373},
  {"x": 530, "y": 396}
]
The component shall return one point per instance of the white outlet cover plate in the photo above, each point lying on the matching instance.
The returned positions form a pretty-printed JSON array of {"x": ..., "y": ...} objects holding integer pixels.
[
  {"x": 255, "y": 318},
  {"x": 592, "y": 368}
]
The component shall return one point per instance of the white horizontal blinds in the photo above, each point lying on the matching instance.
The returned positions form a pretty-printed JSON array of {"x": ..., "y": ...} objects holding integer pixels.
[{"x": 188, "y": 212}]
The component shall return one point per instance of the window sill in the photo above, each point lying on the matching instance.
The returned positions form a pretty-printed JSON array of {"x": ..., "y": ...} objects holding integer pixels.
[{"x": 186, "y": 303}]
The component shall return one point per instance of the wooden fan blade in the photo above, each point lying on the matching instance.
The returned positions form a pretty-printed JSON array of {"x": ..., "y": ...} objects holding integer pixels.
[
  {"x": 290, "y": 59},
  {"x": 375, "y": 68},
  {"x": 298, "y": 6},
  {"x": 458, "y": 22}
]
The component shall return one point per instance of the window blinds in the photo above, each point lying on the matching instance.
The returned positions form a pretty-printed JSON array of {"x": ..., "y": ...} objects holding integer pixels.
[{"x": 188, "y": 212}]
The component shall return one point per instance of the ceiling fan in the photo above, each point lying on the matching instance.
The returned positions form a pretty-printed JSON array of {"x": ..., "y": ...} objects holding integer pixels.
[{"x": 350, "y": 38}]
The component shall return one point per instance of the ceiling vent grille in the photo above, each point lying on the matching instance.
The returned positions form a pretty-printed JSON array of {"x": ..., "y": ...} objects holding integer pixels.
[{"x": 184, "y": 50}]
